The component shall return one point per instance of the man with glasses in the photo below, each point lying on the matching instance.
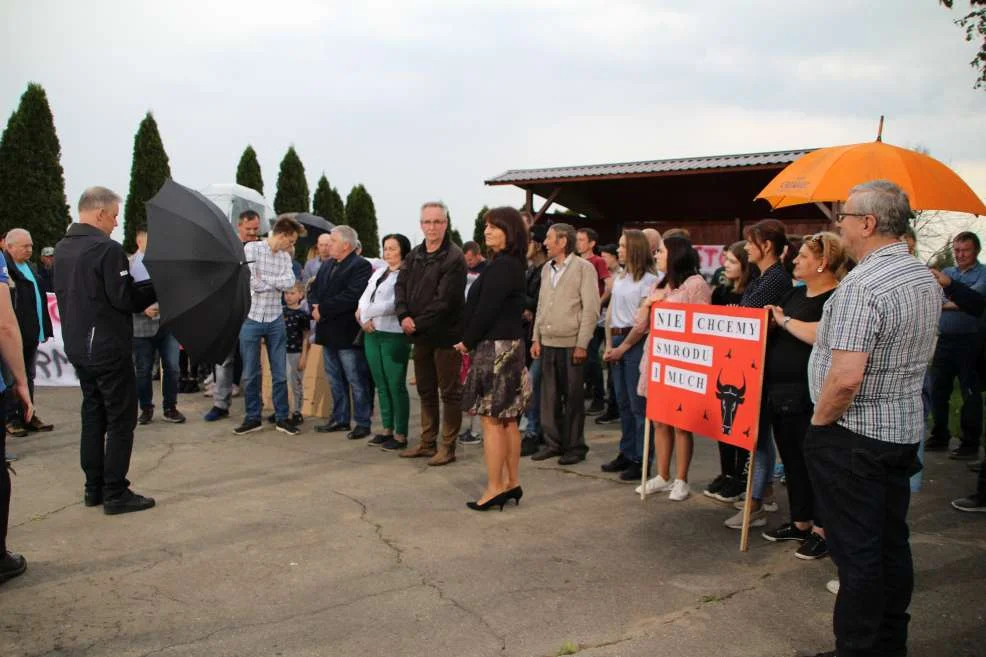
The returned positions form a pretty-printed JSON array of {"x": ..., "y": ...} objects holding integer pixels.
[
  {"x": 430, "y": 296},
  {"x": 865, "y": 375},
  {"x": 960, "y": 337},
  {"x": 270, "y": 275}
]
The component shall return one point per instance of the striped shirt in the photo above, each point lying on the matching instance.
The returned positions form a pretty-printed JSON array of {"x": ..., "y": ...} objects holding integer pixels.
[
  {"x": 888, "y": 307},
  {"x": 270, "y": 275}
]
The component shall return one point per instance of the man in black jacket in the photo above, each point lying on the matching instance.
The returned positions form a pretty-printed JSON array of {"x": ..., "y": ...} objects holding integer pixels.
[
  {"x": 96, "y": 300},
  {"x": 430, "y": 296},
  {"x": 31, "y": 308},
  {"x": 334, "y": 296}
]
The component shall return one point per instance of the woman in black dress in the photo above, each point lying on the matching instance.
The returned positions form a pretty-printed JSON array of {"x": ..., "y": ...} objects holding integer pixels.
[{"x": 497, "y": 387}]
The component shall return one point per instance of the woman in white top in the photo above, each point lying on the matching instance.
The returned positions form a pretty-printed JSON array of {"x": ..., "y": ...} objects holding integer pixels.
[
  {"x": 386, "y": 346},
  {"x": 623, "y": 351}
]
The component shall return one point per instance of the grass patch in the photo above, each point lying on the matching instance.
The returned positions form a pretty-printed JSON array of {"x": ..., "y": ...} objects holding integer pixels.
[{"x": 568, "y": 648}]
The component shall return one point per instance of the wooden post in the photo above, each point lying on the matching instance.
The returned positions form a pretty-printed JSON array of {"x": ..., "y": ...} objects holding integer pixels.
[
  {"x": 745, "y": 532},
  {"x": 646, "y": 459},
  {"x": 547, "y": 204},
  {"x": 529, "y": 201}
]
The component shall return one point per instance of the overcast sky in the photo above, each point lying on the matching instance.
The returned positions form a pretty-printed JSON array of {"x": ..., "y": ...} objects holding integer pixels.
[{"x": 425, "y": 100}]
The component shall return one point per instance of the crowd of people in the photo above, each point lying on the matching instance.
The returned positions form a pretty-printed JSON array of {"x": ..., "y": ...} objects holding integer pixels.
[{"x": 543, "y": 326}]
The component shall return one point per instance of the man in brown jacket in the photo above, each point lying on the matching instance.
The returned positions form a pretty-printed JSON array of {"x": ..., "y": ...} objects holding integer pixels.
[
  {"x": 568, "y": 308},
  {"x": 429, "y": 297}
]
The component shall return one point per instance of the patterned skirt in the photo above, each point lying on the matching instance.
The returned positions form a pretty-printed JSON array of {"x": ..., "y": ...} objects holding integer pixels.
[{"x": 497, "y": 384}]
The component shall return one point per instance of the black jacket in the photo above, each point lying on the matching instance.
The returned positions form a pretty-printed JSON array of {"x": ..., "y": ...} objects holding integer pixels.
[
  {"x": 22, "y": 297},
  {"x": 96, "y": 297},
  {"x": 336, "y": 289},
  {"x": 496, "y": 303},
  {"x": 431, "y": 289}
]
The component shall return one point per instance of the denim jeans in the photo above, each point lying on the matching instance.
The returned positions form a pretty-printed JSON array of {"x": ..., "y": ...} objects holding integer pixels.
[
  {"x": 347, "y": 368},
  {"x": 863, "y": 495},
  {"x": 145, "y": 350},
  {"x": 633, "y": 407},
  {"x": 275, "y": 337},
  {"x": 533, "y": 413},
  {"x": 765, "y": 456}
]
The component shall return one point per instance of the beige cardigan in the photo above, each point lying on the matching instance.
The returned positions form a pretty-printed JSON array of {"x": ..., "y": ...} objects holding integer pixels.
[{"x": 567, "y": 314}]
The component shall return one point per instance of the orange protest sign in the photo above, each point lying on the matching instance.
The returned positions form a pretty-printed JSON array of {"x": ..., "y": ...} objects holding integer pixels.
[{"x": 705, "y": 369}]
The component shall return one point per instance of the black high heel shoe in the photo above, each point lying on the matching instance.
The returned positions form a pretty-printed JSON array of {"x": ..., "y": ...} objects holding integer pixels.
[
  {"x": 496, "y": 500},
  {"x": 515, "y": 494}
]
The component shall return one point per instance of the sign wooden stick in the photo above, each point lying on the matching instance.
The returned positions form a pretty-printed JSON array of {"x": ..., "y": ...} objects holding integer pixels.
[
  {"x": 643, "y": 465},
  {"x": 745, "y": 532}
]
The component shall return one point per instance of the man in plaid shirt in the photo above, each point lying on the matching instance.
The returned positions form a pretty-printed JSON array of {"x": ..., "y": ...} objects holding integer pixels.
[
  {"x": 270, "y": 275},
  {"x": 872, "y": 347}
]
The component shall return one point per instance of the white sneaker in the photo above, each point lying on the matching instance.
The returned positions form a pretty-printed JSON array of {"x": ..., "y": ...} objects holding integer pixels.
[
  {"x": 757, "y": 519},
  {"x": 680, "y": 490},
  {"x": 656, "y": 484},
  {"x": 767, "y": 505},
  {"x": 832, "y": 586},
  {"x": 235, "y": 392}
]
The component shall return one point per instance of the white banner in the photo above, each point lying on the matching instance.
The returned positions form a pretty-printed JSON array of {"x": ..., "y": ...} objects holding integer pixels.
[{"x": 53, "y": 368}]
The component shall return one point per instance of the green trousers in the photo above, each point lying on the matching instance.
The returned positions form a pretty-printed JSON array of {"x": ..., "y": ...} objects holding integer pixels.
[{"x": 387, "y": 355}]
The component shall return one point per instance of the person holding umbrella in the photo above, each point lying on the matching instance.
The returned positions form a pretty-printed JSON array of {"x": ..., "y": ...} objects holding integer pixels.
[
  {"x": 97, "y": 298},
  {"x": 271, "y": 274}
]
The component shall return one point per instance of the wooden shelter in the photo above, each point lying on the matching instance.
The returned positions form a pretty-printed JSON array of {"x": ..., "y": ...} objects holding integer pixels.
[{"x": 713, "y": 196}]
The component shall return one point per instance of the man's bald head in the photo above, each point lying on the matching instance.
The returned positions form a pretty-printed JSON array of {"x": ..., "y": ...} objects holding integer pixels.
[
  {"x": 20, "y": 246},
  {"x": 324, "y": 245}
]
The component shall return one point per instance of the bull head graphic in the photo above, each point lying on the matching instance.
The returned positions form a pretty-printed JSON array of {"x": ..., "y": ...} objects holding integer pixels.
[{"x": 730, "y": 398}]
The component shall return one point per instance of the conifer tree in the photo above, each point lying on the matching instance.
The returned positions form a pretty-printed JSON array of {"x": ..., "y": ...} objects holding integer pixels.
[
  {"x": 479, "y": 228},
  {"x": 148, "y": 172},
  {"x": 32, "y": 184},
  {"x": 248, "y": 171},
  {"x": 292, "y": 188},
  {"x": 362, "y": 217}
]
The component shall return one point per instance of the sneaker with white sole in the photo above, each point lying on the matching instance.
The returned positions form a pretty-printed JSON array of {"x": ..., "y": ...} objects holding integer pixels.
[
  {"x": 758, "y": 518},
  {"x": 832, "y": 586},
  {"x": 656, "y": 484},
  {"x": 680, "y": 490}
]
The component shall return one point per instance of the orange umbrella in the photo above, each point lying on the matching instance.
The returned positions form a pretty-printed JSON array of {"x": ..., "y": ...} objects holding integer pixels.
[{"x": 827, "y": 175}]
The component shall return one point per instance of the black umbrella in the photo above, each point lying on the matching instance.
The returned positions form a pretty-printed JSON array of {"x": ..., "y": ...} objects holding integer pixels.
[
  {"x": 314, "y": 226},
  {"x": 199, "y": 271}
]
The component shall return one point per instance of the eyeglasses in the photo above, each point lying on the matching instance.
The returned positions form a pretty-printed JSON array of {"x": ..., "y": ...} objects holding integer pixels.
[{"x": 842, "y": 215}]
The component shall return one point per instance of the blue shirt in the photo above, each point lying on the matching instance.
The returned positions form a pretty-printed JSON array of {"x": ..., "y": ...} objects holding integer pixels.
[
  {"x": 956, "y": 322},
  {"x": 5, "y": 281},
  {"x": 25, "y": 269}
]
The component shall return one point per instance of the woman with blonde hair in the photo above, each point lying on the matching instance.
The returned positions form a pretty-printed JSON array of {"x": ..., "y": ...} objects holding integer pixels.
[
  {"x": 624, "y": 351},
  {"x": 820, "y": 264}
]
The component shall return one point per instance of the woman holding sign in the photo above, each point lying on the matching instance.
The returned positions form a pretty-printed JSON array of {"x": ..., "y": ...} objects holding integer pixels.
[
  {"x": 765, "y": 244},
  {"x": 624, "y": 350},
  {"x": 820, "y": 264},
  {"x": 682, "y": 283}
]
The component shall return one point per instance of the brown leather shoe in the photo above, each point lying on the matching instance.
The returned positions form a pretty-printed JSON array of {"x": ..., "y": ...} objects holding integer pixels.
[
  {"x": 418, "y": 451},
  {"x": 37, "y": 424},
  {"x": 443, "y": 457}
]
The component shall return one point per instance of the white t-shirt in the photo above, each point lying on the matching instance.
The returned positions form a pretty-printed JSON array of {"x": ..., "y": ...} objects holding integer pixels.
[{"x": 626, "y": 298}]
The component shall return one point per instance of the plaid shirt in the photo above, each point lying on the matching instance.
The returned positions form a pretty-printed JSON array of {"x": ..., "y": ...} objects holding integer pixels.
[
  {"x": 888, "y": 307},
  {"x": 270, "y": 275}
]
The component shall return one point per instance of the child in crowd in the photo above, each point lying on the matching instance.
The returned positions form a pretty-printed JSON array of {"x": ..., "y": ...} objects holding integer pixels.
[{"x": 296, "y": 323}]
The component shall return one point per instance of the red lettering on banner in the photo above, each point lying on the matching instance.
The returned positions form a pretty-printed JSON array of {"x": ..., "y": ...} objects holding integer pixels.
[{"x": 707, "y": 371}]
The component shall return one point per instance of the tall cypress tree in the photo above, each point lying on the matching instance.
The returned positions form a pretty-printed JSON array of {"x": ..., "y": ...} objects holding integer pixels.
[
  {"x": 479, "y": 228},
  {"x": 362, "y": 217},
  {"x": 292, "y": 188},
  {"x": 248, "y": 170},
  {"x": 148, "y": 172},
  {"x": 32, "y": 184},
  {"x": 337, "y": 208}
]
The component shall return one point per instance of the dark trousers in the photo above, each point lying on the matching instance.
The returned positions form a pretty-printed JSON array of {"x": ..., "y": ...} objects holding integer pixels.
[
  {"x": 594, "y": 365},
  {"x": 436, "y": 370},
  {"x": 790, "y": 411},
  {"x": 955, "y": 356},
  {"x": 109, "y": 415},
  {"x": 15, "y": 409},
  {"x": 562, "y": 401},
  {"x": 4, "y": 485},
  {"x": 863, "y": 495}
]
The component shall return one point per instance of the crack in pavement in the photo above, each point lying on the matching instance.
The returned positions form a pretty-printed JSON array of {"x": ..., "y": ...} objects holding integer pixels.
[
  {"x": 170, "y": 450},
  {"x": 291, "y": 617},
  {"x": 584, "y": 475},
  {"x": 44, "y": 515},
  {"x": 399, "y": 558}
]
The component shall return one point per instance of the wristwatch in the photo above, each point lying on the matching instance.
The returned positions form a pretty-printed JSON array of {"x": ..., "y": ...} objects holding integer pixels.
[{"x": 785, "y": 321}]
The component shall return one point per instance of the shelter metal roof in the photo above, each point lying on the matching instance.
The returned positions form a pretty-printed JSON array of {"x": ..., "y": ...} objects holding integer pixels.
[{"x": 648, "y": 168}]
